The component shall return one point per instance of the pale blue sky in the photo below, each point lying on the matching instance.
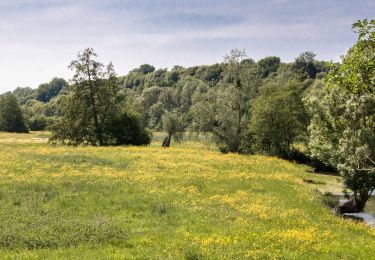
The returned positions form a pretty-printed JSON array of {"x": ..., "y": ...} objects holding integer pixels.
[{"x": 38, "y": 38}]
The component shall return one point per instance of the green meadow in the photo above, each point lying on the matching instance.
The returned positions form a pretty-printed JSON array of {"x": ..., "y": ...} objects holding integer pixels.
[{"x": 185, "y": 202}]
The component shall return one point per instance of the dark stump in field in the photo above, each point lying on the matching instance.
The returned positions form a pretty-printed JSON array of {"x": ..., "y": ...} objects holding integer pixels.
[{"x": 167, "y": 141}]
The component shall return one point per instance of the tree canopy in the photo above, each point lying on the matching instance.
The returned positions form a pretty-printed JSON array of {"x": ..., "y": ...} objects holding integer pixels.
[
  {"x": 91, "y": 111},
  {"x": 342, "y": 129},
  {"x": 278, "y": 117}
]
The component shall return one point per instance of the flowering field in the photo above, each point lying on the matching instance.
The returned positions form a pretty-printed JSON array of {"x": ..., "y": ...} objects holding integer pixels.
[{"x": 147, "y": 202}]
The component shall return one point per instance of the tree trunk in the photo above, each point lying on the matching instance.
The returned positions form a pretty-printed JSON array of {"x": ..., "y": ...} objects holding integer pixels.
[
  {"x": 347, "y": 207},
  {"x": 356, "y": 204},
  {"x": 167, "y": 140},
  {"x": 99, "y": 134}
]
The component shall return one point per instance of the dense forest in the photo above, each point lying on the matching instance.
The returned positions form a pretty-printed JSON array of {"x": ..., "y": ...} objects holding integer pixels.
[
  {"x": 216, "y": 99},
  {"x": 306, "y": 110}
]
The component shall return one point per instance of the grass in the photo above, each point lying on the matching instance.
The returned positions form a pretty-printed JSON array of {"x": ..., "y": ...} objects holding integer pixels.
[{"x": 185, "y": 202}]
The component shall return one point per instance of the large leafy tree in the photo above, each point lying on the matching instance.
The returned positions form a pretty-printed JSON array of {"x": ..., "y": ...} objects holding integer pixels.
[
  {"x": 279, "y": 116},
  {"x": 202, "y": 110},
  {"x": 224, "y": 110},
  {"x": 342, "y": 130},
  {"x": 91, "y": 102},
  {"x": 304, "y": 65},
  {"x": 11, "y": 118},
  {"x": 232, "y": 102},
  {"x": 148, "y": 103},
  {"x": 173, "y": 127}
]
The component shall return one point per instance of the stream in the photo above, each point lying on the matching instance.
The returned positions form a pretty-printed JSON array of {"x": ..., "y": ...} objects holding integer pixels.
[{"x": 368, "y": 214}]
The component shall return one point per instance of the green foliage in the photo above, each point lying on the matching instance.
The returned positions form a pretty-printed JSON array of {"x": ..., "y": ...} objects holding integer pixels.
[
  {"x": 40, "y": 105},
  {"x": 126, "y": 128},
  {"x": 145, "y": 69},
  {"x": 149, "y": 98},
  {"x": 330, "y": 200},
  {"x": 304, "y": 65},
  {"x": 224, "y": 110},
  {"x": 156, "y": 113},
  {"x": 34, "y": 112},
  {"x": 90, "y": 104},
  {"x": 210, "y": 74},
  {"x": 91, "y": 112},
  {"x": 342, "y": 134},
  {"x": 213, "y": 99},
  {"x": 356, "y": 73},
  {"x": 268, "y": 65},
  {"x": 136, "y": 77},
  {"x": 342, "y": 129},
  {"x": 37, "y": 123},
  {"x": 278, "y": 115},
  {"x": 161, "y": 78},
  {"x": 11, "y": 117},
  {"x": 202, "y": 111},
  {"x": 45, "y": 92},
  {"x": 186, "y": 89},
  {"x": 173, "y": 126},
  {"x": 23, "y": 94}
]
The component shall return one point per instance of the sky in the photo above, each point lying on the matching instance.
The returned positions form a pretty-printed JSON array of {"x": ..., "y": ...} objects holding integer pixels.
[{"x": 39, "y": 38}]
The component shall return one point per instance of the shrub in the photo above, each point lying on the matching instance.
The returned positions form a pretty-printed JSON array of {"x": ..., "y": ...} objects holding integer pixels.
[
  {"x": 330, "y": 200},
  {"x": 300, "y": 157},
  {"x": 127, "y": 129},
  {"x": 37, "y": 123}
]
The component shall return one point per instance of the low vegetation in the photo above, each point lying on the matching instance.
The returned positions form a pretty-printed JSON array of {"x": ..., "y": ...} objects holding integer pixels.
[{"x": 187, "y": 201}]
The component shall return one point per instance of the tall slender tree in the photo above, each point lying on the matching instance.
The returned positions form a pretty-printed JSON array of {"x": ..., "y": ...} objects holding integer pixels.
[{"x": 232, "y": 101}]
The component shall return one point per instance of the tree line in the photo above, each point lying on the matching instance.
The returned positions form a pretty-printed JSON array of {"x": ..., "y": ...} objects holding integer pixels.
[{"x": 307, "y": 110}]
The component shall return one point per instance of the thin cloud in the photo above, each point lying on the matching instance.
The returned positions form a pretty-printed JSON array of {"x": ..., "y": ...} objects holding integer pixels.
[{"x": 38, "y": 38}]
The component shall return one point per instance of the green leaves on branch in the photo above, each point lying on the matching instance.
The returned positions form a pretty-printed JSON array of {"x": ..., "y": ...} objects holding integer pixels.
[
  {"x": 356, "y": 73},
  {"x": 92, "y": 112},
  {"x": 278, "y": 115},
  {"x": 342, "y": 129}
]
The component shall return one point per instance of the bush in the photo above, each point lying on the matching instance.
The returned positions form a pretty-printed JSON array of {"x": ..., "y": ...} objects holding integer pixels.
[
  {"x": 330, "y": 200},
  {"x": 223, "y": 149},
  {"x": 300, "y": 157},
  {"x": 37, "y": 123},
  {"x": 127, "y": 129}
]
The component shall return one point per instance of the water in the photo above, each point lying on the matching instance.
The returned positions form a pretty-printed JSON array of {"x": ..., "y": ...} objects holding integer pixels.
[
  {"x": 370, "y": 206},
  {"x": 368, "y": 214}
]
